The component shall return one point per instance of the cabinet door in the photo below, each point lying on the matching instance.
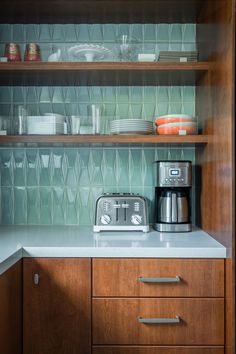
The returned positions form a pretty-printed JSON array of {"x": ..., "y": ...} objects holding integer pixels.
[
  {"x": 57, "y": 306},
  {"x": 11, "y": 310}
]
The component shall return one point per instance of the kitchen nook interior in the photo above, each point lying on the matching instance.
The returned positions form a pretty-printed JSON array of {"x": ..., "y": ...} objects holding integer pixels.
[{"x": 117, "y": 185}]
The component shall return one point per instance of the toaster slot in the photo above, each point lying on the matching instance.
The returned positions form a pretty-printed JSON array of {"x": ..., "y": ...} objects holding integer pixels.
[
  {"x": 117, "y": 207},
  {"x": 125, "y": 210}
]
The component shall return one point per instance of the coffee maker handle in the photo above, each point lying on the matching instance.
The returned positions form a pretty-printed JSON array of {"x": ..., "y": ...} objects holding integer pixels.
[{"x": 174, "y": 208}]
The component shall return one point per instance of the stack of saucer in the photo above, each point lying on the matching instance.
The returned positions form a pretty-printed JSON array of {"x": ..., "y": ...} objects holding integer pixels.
[
  {"x": 47, "y": 124},
  {"x": 131, "y": 126},
  {"x": 178, "y": 56}
]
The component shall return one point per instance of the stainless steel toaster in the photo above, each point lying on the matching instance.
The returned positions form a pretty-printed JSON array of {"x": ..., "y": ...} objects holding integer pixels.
[{"x": 121, "y": 212}]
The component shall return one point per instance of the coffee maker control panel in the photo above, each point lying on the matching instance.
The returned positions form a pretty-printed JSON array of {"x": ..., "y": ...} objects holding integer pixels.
[{"x": 174, "y": 174}]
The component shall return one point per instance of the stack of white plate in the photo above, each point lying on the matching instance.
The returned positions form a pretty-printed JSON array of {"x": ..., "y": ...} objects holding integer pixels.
[
  {"x": 178, "y": 56},
  {"x": 47, "y": 124},
  {"x": 131, "y": 126}
]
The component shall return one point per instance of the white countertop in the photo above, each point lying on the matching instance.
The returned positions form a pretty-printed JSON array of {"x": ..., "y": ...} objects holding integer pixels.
[{"x": 73, "y": 241}]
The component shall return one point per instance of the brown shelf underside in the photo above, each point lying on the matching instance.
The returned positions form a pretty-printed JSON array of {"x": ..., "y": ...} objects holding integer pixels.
[
  {"x": 191, "y": 140},
  {"x": 102, "y": 73},
  {"x": 102, "y": 11}
]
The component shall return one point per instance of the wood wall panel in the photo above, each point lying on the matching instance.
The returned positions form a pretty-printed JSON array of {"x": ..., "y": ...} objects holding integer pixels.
[
  {"x": 11, "y": 310},
  {"x": 215, "y": 108},
  {"x": 215, "y": 111}
]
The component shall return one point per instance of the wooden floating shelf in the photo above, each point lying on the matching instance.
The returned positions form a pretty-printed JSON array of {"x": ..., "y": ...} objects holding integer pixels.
[
  {"x": 102, "y": 73},
  {"x": 191, "y": 140}
]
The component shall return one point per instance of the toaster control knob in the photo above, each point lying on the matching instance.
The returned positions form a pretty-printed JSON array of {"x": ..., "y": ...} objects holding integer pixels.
[
  {"x": 105, "y": 219},
  {"x": 136, "y": 219}
]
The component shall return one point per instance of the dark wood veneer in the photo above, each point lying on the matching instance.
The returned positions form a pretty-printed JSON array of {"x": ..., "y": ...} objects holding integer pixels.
[{"x": 216, "y": 38}]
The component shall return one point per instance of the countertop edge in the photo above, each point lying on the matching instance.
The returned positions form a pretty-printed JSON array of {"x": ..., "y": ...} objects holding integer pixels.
[
  {"x": 11, "y": 260},
  {"x": 112, "y": 252}
]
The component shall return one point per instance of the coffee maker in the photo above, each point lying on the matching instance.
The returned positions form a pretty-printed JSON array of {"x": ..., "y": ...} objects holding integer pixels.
[{"x": 172, "y": 196}]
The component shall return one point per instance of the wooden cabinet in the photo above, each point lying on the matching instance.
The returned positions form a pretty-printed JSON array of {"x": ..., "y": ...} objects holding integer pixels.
[
  {"x": 158, "y": 302},
  {"x": 57, "y": 306},
  {"x": 11, "y": 310}
]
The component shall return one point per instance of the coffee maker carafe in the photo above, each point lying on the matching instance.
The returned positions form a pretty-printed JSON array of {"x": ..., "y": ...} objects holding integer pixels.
[{"x": 172, "y": 196}]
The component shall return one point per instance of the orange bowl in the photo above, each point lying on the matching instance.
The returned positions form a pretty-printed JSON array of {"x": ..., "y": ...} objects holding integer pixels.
[
  {"x": 175, "y": 130},
  {"x": 163, "y": 120}
]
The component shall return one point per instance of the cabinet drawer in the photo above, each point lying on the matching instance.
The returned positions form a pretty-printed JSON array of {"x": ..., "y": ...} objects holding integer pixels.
[
  {"x": 158, "y": 350},
  {"x": 131, "y": 277},
  {"x": 116, "y": 321}
]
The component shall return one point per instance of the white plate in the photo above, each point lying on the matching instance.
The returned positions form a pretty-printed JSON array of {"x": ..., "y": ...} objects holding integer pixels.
[{"x": 128, "y": 132}]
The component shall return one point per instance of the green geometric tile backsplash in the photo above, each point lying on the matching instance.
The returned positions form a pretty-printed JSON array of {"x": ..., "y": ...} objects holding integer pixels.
[
  {"x": 60, "y": 185},
  {"x": 146, "y": 102},
  {"x": 151, "y": 38}
]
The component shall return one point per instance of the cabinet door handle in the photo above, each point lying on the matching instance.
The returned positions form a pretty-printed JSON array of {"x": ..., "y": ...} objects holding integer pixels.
[
  {"x": 159, "y": 320},
  {"x": 175, "y": 279},
  {"x": 36, "y": 279}
]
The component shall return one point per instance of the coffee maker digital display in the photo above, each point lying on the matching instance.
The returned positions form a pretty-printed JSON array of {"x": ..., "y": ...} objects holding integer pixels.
[
  {"x": 175, "y": 172},
  {"x": 172, "y": 196}
]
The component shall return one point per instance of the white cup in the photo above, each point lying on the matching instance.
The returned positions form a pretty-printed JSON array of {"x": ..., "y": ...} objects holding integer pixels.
[{"x": 75, "y": 125}]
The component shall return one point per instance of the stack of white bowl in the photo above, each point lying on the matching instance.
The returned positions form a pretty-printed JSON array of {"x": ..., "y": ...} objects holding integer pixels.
[
  {"x": 131, "y": 126},
  {"x": 48, "y": 124}
]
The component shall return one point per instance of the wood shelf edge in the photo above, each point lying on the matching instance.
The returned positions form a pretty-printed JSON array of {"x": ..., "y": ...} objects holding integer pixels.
[
  {"x": 104, "y": 139},
  {"x": 68, "y": 66}
]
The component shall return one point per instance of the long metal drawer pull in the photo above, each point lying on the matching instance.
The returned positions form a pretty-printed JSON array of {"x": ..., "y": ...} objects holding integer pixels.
[
  {"x": 159, "y": 320},
  {"x": 160, "y": 280}
]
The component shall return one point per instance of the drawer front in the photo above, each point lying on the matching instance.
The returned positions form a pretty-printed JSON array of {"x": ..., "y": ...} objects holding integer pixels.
[
  {"x": 158, "y": 350},
  {"x": 116, "y": 321},
  {"x": 158, "y": 277}
]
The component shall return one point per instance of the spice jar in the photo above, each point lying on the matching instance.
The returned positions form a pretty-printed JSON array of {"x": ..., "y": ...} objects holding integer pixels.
[
  {"x": 32, "y": 52},
  {"x": 12, "y": 52}
]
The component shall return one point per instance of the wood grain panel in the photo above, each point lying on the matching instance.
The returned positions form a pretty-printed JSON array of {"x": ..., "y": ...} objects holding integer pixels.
[
  {"x": 216, "y": 40},
  {"x": 158, "y": 350},
  {"x": 57, "y": 312},
  {"x": 11, "y": 310},
  {"x": 115, "y": 321},
  {"x": 215, "y": 110},
  {"x": 119, "y": 277}
]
